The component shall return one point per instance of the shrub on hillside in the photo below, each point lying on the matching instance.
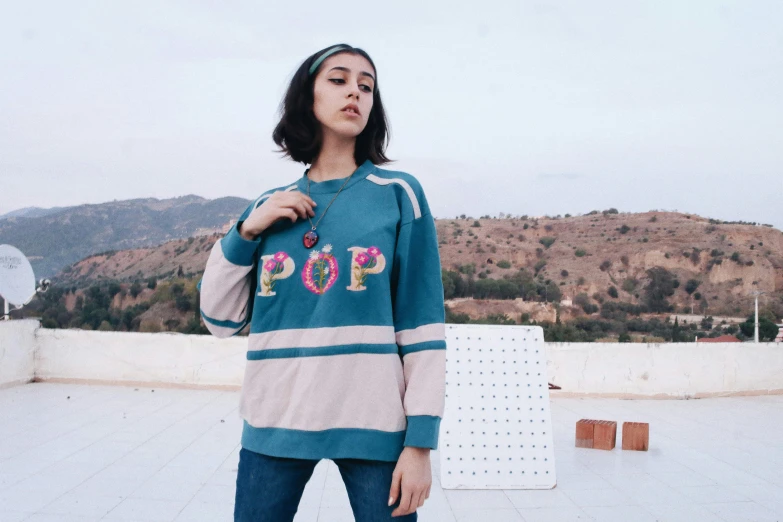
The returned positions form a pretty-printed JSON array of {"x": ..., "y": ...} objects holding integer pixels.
[
  {"x": 583, "y": 300},
  {"x": 629, "y": 285}
]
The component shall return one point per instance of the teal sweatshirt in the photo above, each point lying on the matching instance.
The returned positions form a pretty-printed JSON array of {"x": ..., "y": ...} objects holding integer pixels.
[{"x": 346, "y": 348}]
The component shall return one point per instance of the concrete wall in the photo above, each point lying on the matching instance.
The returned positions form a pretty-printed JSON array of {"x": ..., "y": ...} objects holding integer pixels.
[
  {"x": 581, "y": 369},
  {"x": 17, "y": 351},
  {"x": 140, "y": 358},
  {"x": 665, "y": 370}
]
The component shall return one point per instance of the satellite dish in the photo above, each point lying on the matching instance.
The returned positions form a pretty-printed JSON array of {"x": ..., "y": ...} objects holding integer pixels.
[{"x": 17, "y": 281}]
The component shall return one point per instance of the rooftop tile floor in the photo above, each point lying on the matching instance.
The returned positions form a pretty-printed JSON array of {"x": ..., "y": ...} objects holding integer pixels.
[{"x": 72, "y": 452}]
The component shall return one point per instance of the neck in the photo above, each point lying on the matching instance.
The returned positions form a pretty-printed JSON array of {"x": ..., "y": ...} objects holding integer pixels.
[{"x": 335, "y": 160}]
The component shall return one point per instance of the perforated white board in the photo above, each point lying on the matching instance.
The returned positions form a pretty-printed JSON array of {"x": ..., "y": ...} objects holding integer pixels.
[{"x": 496, "y": 431}]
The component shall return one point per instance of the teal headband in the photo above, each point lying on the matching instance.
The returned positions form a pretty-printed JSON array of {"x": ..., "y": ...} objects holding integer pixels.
[{"x": 325, "y": 56}]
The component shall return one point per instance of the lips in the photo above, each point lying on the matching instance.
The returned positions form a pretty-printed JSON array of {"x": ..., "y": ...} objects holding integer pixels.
[{"x": 351, "y": 108}]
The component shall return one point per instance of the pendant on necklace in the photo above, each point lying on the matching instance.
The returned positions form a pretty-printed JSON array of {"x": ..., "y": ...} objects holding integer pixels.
[{"x": 310, "y": 238}]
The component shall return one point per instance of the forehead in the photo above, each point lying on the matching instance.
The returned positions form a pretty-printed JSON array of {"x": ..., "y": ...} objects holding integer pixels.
[{"x": 354, "y": 62}]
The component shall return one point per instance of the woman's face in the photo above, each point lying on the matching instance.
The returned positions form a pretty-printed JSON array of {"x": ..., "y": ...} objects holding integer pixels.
[{"x": 342, "y": 94}]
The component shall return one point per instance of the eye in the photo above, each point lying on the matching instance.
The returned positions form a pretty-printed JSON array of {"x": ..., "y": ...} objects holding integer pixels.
[
  {"x": 337, "y": 80},
  {"x": 365, "y": 88}
]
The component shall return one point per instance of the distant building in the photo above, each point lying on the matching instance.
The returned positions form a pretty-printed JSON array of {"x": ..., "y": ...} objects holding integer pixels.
[
  {"x": 566, "y": 301},
  {"x": 721, "y": 339},
  {"x": 779, "y": 338},
  {"x": 228, "y": 226}
]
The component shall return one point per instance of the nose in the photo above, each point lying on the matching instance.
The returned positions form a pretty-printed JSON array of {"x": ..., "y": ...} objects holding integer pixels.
[{"x": 354, "y": 91}]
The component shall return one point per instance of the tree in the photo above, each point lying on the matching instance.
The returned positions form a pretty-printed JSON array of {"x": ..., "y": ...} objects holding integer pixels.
[
  {"x": 114, "y": 289},
  {"x": 105, "y": 326},
  {"x": 613, "y": 292},
  {"x": 552, "y": 292},
  {"x": 768, "y": 330},
  {"x": 660, "y": 287},
  {"x": 692, "y": 285},
  {"x": 676, "y": 331},
  {"x": 448, "y": 284}
]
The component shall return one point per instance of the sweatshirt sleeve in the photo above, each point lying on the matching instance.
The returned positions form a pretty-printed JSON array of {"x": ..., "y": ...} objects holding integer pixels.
[
  {"x": 228, "y": 284},
  {"x": 419, "y": 324}
]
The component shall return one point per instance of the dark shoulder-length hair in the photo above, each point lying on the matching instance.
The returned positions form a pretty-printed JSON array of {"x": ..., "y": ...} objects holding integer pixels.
[{"x": 298, "y": 134}]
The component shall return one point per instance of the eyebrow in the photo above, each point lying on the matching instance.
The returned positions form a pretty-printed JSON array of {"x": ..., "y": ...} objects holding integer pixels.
[{"x": 346, "y": 69}]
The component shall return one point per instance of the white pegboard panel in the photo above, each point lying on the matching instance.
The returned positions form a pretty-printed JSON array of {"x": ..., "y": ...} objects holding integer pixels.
[{"x": 496, "y": 431}]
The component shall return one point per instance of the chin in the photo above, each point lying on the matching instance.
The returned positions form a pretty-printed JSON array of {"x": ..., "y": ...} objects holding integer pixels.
[{"x": 347, "y": 130}]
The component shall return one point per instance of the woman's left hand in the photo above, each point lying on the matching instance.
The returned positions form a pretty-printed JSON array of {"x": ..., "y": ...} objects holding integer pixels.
[{"x": 414, "y": 476}]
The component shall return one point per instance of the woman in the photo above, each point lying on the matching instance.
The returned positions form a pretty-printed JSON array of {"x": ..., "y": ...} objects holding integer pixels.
[{"x": 338, "y": 274}]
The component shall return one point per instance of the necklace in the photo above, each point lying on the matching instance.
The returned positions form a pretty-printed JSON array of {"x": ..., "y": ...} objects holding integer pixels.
[{"x": 311, "y": 236}]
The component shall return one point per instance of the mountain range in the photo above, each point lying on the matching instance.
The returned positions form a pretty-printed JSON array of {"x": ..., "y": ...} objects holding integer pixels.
[
  {"x": 53, "y": 239},
  {"x": 603, "y": 255}
]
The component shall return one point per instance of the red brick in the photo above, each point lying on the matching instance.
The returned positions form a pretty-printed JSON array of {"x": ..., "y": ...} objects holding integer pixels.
[
  {"x": 585, "y": 433},
  {"x": 636, "y": 436},
  {"x": 605, "y": 435}
]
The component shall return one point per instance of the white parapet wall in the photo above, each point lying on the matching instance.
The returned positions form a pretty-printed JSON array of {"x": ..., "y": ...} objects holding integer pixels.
[
  {"x": 665, "y": 370},
  {"x": 17, "y": 351},
  {"x": 632, "y": 370},
  {"x": 158, "y": 359}
]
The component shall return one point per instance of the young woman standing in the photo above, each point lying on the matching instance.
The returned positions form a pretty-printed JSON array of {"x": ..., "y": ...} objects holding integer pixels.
[{"x": 338, "y": 275}]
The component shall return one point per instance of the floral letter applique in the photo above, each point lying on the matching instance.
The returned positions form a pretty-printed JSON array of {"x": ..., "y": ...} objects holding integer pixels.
[
  {"x": 320, "y": 271},
  {"x": 273, "y": 268},
  {"x": 364, "y": 261}
]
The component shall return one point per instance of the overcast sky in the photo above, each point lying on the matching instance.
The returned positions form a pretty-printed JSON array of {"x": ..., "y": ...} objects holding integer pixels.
[{"x": 497, "y": 106}]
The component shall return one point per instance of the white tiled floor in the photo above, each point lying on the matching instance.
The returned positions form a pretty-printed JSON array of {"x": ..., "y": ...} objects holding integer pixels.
[{"x": 86, "y": 453}]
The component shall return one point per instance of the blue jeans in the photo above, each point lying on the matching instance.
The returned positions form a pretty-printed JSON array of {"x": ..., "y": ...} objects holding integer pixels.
[{"x": 269, "y": 488}]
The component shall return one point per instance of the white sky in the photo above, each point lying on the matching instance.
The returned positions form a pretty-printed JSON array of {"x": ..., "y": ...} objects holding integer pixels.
[{"x": 498, "y": 106}]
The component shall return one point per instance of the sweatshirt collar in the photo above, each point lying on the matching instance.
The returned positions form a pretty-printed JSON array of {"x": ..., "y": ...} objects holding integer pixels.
[{"x": 331, "y": 186}]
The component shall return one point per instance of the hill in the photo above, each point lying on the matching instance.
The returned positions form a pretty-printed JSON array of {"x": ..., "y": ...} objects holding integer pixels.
[
  {"x": 594, "y": 253},
  {"x": 590, "y": 259}
]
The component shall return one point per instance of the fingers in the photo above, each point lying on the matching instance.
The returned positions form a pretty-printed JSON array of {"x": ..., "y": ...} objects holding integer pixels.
[
  {"x": 304, "y": 206},
  {"x": 304, "y": 198},
  {"x": 428, "y": 491},
  {"x": 301, "y": 209},
  {"x": 406, "y": 499},
  {"x": 299, "y": 205},
  {"x": 395, "y": 487},
  {"x": 415, "y": 501}
]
